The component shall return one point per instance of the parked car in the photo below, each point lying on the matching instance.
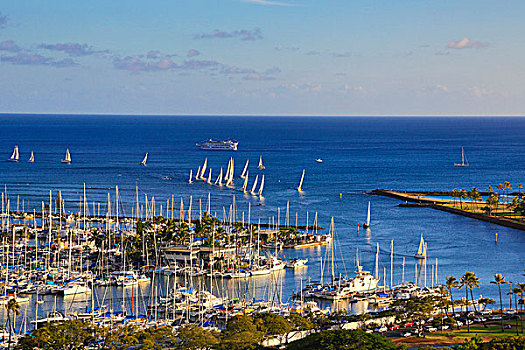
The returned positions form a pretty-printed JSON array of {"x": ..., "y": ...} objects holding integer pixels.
[
  {"x": 430, "y": 329},
  {"x": 406, "y": 334},
  {"x": 510, "y": 312},
  {"x": 479, "y": 319},
  {"x": 495, "y": 317},
  {"x": 381, "y": 329},
  {"x": 408, "y": 324},
  {"x": 443, "y": 327},
  {"x": 394, "y": 327}
]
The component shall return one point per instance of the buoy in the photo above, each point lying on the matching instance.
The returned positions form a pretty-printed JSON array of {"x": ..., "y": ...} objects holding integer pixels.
[
  {"x": 340, "y": 195},
  {"x": 496, "y": 237}
]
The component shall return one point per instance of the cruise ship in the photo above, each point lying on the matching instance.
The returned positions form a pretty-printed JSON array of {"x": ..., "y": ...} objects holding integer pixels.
[{"x": 229, "y": 145}]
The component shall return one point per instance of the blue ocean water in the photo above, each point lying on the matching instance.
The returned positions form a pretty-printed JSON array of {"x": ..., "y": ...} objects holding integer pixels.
[{"x": 359, "y": 154}]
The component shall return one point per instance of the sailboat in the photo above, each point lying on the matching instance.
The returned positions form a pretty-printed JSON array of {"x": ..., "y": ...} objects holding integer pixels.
[
  {"x": 31, "y": 158},
  {"x": 203, "y": 170},
  {"x": 218, "y": 182},
  {"x": 254, "y": 187},
  {"x": 191, "y": 177},
  {"x": 143, "y": 163},
  {"x": 260, "y": 166},
  {"x": 245, "y": 185},
  {"x": 367, "y": 223},
  {"x": 421, "y": 252},
  {"x": 300, "y": 187},
  {"x": 243, "y": 175},
  {"x": 15, "y": 155},
  {"x": 262, "y": 187},
  {"x": 209, "y": 177},
  {"x": 67, "y": 158},
  {"x": 229, "y": 174},
  {"x": 464, "y": 161}
]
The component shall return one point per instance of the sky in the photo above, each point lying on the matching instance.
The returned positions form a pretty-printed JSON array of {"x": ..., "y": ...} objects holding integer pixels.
[{"x": 263, "y": 57}]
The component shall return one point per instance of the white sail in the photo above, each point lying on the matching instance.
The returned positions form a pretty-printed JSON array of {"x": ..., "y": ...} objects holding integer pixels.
[
  {"x": 260, "y": 166},
  {"x": 464, "y": 161},
  {"x": 67, "y": 158},
  {"x": 197, "y": 174},
  {"x": 227, "y": 175},
  {"x": 229, "y": 179},
  {"x": 191, "y": 176},
  {"x": 421, "y": 250},
  {"x": 143, "y": 163},
  {"x": 15, "y": 156},
  {"x": 262, "y": 186},
  {"x": 219, "y": 179},
  {"x": 254, "y": 187},
  {"x": 203, "y": 170},
  {"x": 243, "y": 175},
  {"x": 245, "y": 185},
  {"x": 32, "y": 158},
  {"x": 368, "y": 215},
  {"x": 232, "y": 171},
  {"x": 209, "y": 177},
  {"x": 300, "y": 187}
]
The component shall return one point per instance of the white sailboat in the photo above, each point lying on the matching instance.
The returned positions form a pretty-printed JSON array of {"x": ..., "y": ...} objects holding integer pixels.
[
  {"x": 367, "y": 223},
  {"x": 262, "y": 187},
  {"x": 14, "y": 157},
  {"x": 245, "y": 185},
  {"x": 203, "y": 170},
  {"x": 218, "y": 182},
  {"x": 260, "y": 166},
  {"x": 243, "y": 175},
  {"x": 421, "y": 252},
  {"x": 229, "y": 179},
  {"x": 67, "y": 158},
  {"x": 464, "y": 161},
  {"x": 143, "y": 163},
  {"x": 209, "y": 177},
  {"x": 300, "y": 187},
  {"x": 254, "y": 187},
  {"x": 31, "y": 158},
  {"x": 191, "y": 177}
]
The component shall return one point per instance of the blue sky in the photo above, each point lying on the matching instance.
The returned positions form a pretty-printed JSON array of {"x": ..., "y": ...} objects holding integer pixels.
[{"x": 287, "y": 57}]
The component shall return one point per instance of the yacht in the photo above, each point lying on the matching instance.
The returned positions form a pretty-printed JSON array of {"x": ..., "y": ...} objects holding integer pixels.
[{"x": 229, "y": 145}]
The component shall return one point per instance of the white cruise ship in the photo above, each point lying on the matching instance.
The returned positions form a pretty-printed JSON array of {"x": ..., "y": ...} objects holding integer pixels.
[{"x": 229, "y": 145}]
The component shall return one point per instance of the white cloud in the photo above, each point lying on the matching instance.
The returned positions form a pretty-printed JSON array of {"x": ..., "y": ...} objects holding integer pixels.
[{"x": 466, "y": 43}]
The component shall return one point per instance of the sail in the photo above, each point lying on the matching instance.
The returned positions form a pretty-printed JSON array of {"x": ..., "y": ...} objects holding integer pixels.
[
  {"x": 191, "y": 175},
  {"x": 15, "y": 155},
  {"x": 243, "y": 175},
  {"x": 32, "y": 158},
  {"x": 143, "y": 163},
  {"x": 421, "y": 246},
  {"x": 67, "y": 158},
  {"x": 245, "y": 185},
  {"x": 227, "y": 176},
  {"x": 260, "y": 166},
  {"x": 209, "y": 177},
  {"x": 203, "y": 170},
  {"x": 262, "y": 186},
  {"x": 197, "y": 174},
  {"x": 368, "y": 215},
  {"x": 219, "y": 179},
  {"x": 254, "y": 187},
  {"x": 300, "y": 187}
]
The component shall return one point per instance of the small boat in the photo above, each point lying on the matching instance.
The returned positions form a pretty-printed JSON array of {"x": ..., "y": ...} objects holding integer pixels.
[
  {"x": 14, "y": 157},
  {"x": 31, "y": 158},
  {"x": 143, "y": 163},
  {"x": 300, "y": 187},
  {"x": 464, "y": 161},
  {"x": 243, "y": 175},
  {"x": 319, "y": 160},
  {"x": 422, "y": 250},
  {"x": 67, "y": 158},
  {"x": 191, "y": 176},
  {"x": 245, "y": 185},
  {"x": 367, "y": 223},
  {"x": 292, "y": 264},
  {"x": 260, "y": 166}
]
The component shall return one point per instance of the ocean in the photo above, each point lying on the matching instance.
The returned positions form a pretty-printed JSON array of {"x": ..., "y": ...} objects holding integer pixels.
[{"x": 359, "y": 154}]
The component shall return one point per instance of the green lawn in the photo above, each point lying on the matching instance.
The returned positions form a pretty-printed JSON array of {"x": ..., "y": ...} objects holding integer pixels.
[{"x": 492, "y": 330}]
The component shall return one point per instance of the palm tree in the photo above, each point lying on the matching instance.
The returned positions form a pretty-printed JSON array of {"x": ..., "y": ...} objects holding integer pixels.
[
  {"x": 490, "y": 188},
  {"x": 468, "y": 281},
  {"x": 462, "y": 195},
  {"x": 451, "y": 282},
  {"x": 499, "y": 279},
  {"x": 501, "y": 188},
  {"x": 12, "y": 306},
  {"x": 455, "y": 194},
  {"x": 507, "y": 186}
]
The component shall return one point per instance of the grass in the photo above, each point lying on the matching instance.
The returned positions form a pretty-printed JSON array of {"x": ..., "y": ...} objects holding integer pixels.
[{"x": 492, "y": 331}]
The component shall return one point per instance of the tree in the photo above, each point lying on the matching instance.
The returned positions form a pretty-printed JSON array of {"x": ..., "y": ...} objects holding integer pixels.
[
  {"x": 451, "y": 283},
  {"x": 462, "y": 195},
  {"x": 455, "y": 194},
  {"x": 468, "y": 281},
  {"x": 71, "y": 335},
  {"x": 193, "y": 337},
  {"x": 475, "y": 195},
  {"x": 12, "y": 306},
  {"x": 499, "y": 279},
  {"x": 492, "y": 201},
  {"x": 344, "y": 340},
  {"x": 241, "y": 333}
]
